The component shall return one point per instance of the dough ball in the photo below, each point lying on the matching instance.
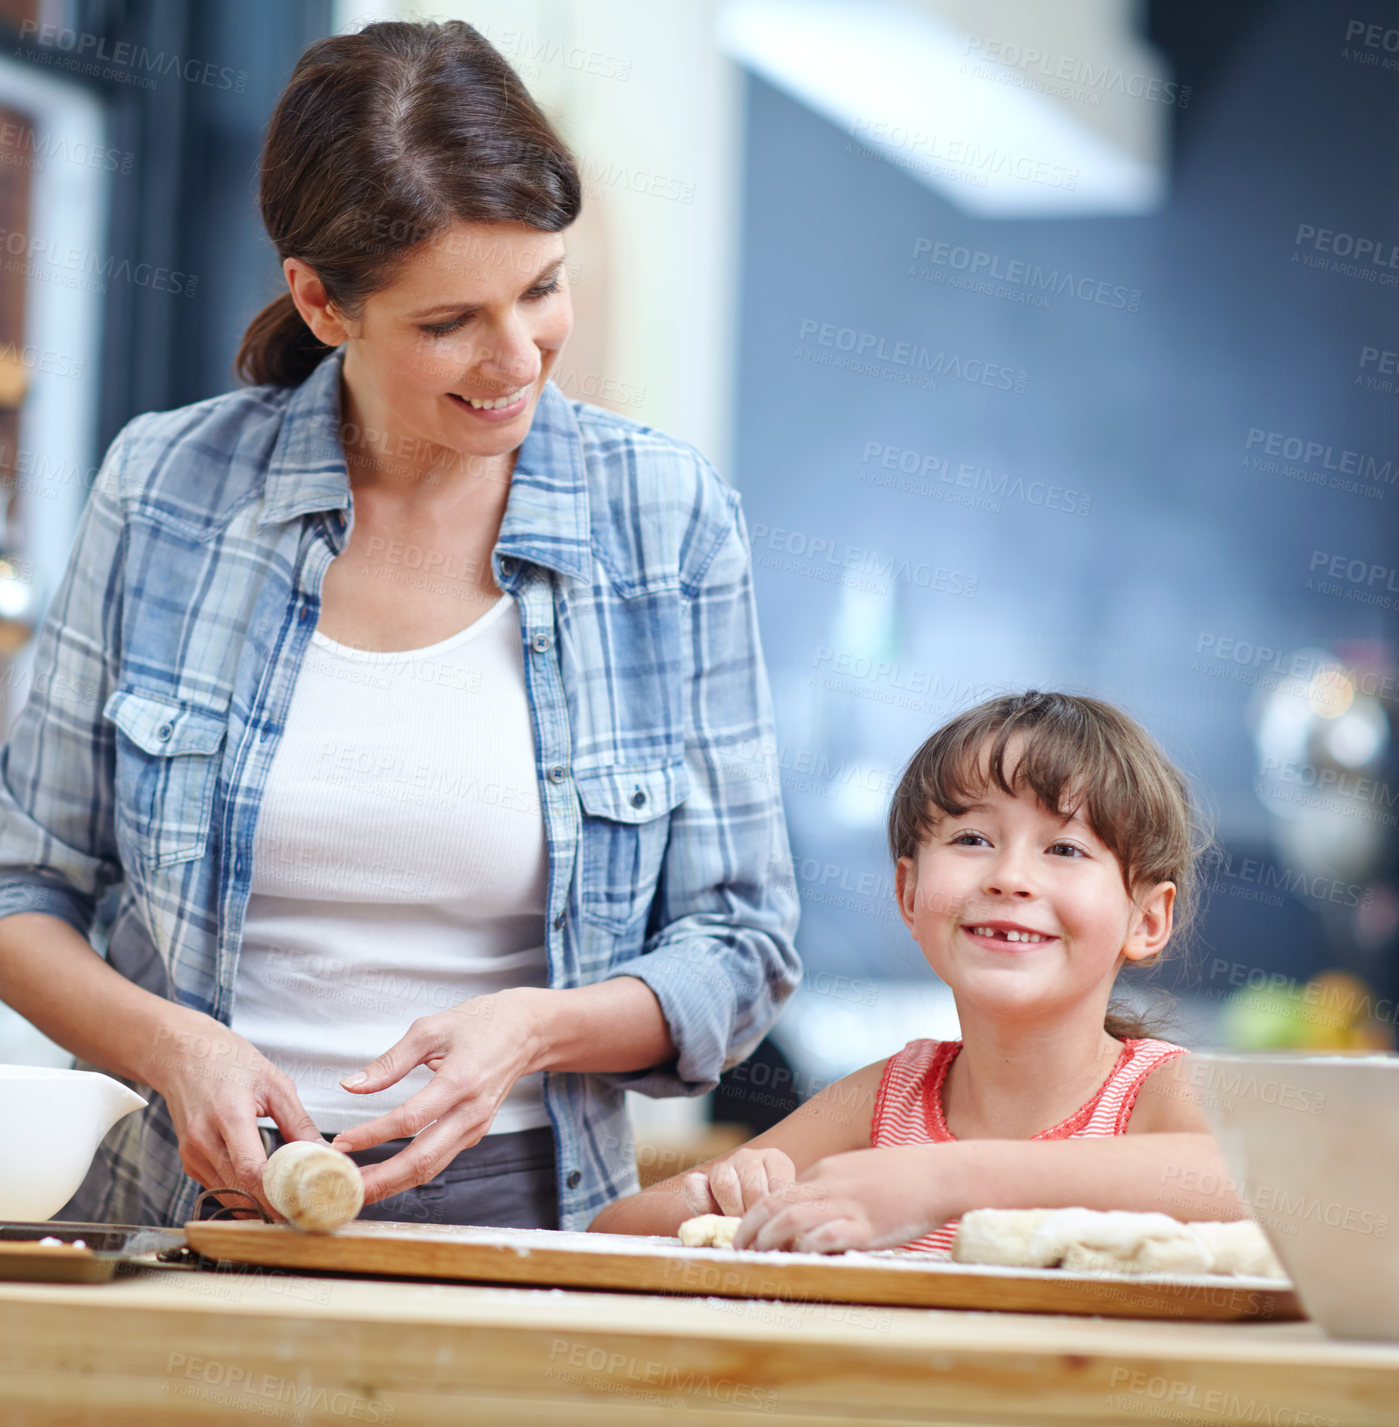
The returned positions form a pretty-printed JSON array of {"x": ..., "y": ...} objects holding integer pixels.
[
  {"x": 709, "y": 1231},
  {"x": 999, "y": 1236},
  {"x": 1239, "y": 1246}
]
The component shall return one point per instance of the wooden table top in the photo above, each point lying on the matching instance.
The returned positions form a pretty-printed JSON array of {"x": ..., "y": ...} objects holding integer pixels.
[{"x": 168, "y": 1345}]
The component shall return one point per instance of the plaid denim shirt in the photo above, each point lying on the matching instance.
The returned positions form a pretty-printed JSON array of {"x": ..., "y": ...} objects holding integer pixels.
[{"x": 165, "y": 667}]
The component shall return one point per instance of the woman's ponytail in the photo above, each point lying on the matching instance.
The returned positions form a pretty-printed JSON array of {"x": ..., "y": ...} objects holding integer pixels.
[{"x": 279, "y": 347}]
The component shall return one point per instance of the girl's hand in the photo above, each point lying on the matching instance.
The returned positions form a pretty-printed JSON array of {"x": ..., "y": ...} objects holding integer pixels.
[
  {"x": 734, "y": 1184},
  {"x": 477, "y": 1051},
  {"x": 216, "y": 1085},
  {"x": 865, "y": 1199}
]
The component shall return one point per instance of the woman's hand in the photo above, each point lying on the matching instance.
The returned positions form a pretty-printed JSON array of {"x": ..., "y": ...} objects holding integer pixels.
[
  {"x": 734, "y": 1184},
  {"x": 477, "y": 1051},
  {"x": 865, "y": 1199},
  {"x": 216, "y": 1085}
]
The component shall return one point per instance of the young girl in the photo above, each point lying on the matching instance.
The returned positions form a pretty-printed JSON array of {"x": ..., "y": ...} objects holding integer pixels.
[{"x": 1042, "y": 842}]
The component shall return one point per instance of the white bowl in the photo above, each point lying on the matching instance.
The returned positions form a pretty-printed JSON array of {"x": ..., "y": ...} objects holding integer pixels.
[
  {"x": 51, "y": 1122},
  {"x": 1313, "y": 1141}
]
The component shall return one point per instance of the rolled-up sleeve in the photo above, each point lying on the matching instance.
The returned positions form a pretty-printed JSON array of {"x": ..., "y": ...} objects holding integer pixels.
[
  {"x": 57, "y": 839},
  {"x": 723, "y": 960}
]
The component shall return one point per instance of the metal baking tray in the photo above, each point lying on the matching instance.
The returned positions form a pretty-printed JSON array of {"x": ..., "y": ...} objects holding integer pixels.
[{"x": 107, "y": 1246}]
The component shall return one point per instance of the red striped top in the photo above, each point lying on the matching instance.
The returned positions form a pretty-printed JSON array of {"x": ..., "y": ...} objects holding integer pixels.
[{"x": 908, "y": 1109}]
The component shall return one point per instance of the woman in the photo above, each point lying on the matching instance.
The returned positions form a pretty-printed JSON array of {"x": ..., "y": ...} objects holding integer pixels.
[{"x": 402, "y": 694}]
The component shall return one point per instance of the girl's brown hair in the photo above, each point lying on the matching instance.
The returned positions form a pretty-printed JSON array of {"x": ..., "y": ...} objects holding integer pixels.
[
  {"x": 1075, "y": 755},
  {"x": 380, "y": 141}
]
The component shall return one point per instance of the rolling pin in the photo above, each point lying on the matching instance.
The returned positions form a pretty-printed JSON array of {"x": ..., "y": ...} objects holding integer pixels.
[{"x": 316, "y": 1187}]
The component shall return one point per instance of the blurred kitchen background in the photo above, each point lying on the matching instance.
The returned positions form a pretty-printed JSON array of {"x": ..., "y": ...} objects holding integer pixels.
[{"x": 1049, "y": 344}]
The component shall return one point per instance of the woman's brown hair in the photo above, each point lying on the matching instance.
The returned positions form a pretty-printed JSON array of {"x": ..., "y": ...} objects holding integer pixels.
[
  {"x": 1075, "y": 755},
  {"x": 380, "y": 141}
]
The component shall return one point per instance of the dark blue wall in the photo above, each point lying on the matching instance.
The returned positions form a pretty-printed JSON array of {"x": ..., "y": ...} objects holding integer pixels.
[{"x": 1142, "y": 405}]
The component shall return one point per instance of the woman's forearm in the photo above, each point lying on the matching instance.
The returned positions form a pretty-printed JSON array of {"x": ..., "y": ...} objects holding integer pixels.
[
  {"x": 51, "y": 975},
  {"x": 614, "y": 1025},
  {"x": 1183, "y": 1175}
]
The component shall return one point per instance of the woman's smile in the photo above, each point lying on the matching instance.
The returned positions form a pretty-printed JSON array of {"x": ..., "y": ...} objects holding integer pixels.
[{"x": 504, "y": 408}]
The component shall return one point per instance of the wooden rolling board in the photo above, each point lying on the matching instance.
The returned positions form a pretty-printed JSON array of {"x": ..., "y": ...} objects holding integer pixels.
[{"x": 658, "y": 1265}]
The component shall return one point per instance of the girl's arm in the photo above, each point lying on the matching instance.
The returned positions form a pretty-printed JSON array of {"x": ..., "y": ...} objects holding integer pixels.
[
  {"x": 876, "y": 1199},
  {"x": 1167, "y": 1162},
  {"x": 834, "y": 1121}
]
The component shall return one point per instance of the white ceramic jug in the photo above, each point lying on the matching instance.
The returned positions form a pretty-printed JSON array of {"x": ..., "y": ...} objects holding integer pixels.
[{"x": 51, "y": 1122}]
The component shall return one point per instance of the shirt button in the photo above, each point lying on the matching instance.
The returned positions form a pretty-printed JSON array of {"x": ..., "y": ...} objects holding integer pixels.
[
  {"x": 164, "y": 732},
  {"x": 558, "y": 922},
  {"x": 507, "y": 566},
  {"x": 558, "y": 773},
  {"x": 574, "y": 1179},
  {"x": 638, "y": 799},
  {"x": 540, "y": 643}
]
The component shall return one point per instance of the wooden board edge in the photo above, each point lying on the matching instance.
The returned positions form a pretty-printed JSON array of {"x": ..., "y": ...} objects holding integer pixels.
[{"x": 274, "y": 1247}]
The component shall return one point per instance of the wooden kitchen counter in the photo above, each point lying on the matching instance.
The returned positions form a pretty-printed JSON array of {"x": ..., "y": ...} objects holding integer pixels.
[{"x": 173, "y": 1346}]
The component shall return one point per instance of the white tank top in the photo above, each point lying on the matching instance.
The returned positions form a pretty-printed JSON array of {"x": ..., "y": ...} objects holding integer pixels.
[{"x": 399, "y": 862}]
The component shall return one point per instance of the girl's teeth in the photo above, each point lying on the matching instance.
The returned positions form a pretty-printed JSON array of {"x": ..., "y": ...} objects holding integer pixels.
[
  {"x": 499, "y": 401},
  {"x": 1009, "y": 935}
]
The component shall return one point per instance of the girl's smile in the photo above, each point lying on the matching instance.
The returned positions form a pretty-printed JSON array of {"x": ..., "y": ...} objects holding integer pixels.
[{"x": 1007, "y": 936}]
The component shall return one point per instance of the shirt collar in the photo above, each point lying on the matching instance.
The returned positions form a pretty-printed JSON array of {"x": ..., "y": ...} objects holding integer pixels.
[
  {"x": 307, "y": 470},
  {"x": 546, "y": 514}
]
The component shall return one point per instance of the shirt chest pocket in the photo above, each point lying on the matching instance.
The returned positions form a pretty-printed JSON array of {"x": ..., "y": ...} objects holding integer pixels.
[
  {"x": 167, "y": 766},
  {"x": 626, "y": 826}
]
